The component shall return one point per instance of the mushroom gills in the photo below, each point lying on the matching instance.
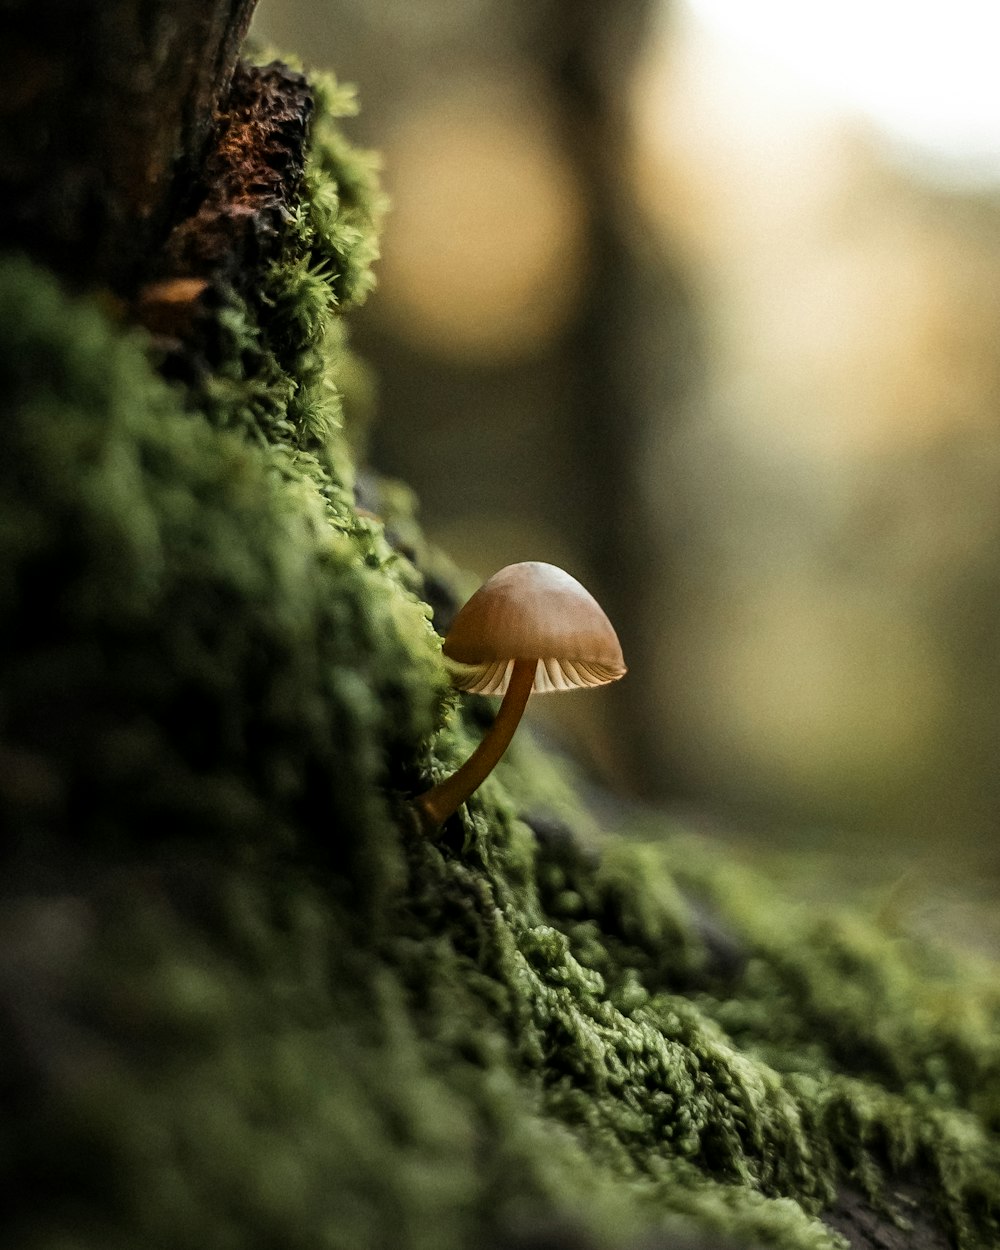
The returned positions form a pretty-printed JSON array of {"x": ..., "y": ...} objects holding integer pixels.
[{"x": 551, "y": 675}]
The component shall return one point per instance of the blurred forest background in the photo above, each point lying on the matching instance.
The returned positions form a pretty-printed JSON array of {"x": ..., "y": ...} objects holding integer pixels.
[{"x": 702, "y": 301}]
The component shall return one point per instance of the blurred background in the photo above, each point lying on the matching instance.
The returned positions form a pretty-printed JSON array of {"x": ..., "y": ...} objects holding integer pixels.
[{"x": 700, "y": 299}]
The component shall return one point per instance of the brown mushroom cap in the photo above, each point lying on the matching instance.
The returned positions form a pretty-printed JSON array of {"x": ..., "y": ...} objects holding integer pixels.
[{"x": 533, "y": 611}]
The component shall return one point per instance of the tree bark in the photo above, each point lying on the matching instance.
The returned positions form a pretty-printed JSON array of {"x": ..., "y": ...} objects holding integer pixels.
[{"x": 106, "y": 113}]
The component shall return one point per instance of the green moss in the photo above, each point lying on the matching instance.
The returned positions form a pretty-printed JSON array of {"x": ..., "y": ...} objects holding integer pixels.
[
  {"x": 198, "y": 650},
  {"x": 250, "y": 1005}
]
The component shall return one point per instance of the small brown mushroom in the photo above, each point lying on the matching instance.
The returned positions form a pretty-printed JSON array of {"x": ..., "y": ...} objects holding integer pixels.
[{"x": 531, "y": 627}]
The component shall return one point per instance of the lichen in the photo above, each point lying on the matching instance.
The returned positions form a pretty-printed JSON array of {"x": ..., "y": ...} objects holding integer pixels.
[{"x": 247, "y": 1004}]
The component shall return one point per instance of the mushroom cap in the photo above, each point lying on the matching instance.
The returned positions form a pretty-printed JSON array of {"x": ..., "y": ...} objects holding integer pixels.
[{"x": 532, "y": 611}]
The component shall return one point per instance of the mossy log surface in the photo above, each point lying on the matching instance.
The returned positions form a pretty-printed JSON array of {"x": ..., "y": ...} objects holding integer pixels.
[{"x": 244, "y": 1001}]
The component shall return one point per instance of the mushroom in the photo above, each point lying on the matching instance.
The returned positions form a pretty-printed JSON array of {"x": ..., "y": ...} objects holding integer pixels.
[{"x": 531, "y": 627}]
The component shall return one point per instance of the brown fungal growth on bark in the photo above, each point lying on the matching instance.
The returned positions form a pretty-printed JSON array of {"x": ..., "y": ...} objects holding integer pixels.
[
  {"x": 251, "y": 177},
  {"x": 529, "y": 628},
  {"x": 240, "y": 207}
]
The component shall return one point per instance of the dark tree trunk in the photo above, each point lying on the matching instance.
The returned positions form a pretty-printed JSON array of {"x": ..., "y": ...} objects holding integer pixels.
[
  {"x": 634, "y": 351},
  {"x": 106, "y": 112}
]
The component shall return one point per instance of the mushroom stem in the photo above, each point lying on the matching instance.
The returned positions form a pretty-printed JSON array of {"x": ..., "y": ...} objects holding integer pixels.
[{"x": 441, "y": 801}]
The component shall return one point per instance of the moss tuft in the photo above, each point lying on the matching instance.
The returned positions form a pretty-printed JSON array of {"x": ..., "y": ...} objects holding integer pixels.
[{"x": 194, "y": 649}]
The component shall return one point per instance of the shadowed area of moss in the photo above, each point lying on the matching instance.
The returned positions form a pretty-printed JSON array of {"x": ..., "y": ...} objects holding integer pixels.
[{"x": 244, "y": 1003}]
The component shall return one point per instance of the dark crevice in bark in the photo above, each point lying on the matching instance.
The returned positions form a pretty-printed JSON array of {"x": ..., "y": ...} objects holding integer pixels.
[{"x": 908, "y": 1221}]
